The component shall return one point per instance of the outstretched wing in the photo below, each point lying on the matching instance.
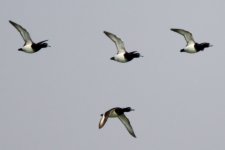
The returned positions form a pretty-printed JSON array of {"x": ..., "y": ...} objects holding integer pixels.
[
  {"x": 119, "y": 43},
  {"x": 127, "y": 124},
  {"x": 23, "y": 32},
  {"x": 187, "y": 35},
  {"x": 103, "y": 121}
]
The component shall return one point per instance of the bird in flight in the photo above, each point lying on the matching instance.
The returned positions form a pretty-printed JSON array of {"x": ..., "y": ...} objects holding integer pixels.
[
  {"x": 119, "y": 113},
  {"x": 122, "y": 55},
  {"x": 29, "y": 46},
  {"x": 192, "y": 46}
]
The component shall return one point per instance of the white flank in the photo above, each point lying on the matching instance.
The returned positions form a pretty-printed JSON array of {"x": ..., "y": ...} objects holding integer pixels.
[
  {"x": 28, "y": 49},
  {"x": 120, "y": 58}
]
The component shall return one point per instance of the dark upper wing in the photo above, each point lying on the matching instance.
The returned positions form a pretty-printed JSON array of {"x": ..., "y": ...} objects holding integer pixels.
[
  {"x": 187, "y": 35},
  {"x": 127, "y": 124},
  {"x": 119, "y": 43},
  {"x": 23, "y": 32}
]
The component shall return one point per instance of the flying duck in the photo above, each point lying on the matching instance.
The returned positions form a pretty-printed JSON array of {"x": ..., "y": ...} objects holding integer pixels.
[
  {"x": 122, "y": 55},
  {"x": 29, "y": 46},
  {"x": 192, "y": 46},
  {"x": 118, "y": 112}
]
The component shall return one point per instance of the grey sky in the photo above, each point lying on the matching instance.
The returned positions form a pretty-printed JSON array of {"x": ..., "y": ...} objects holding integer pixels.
[{"x": 52, "y": 100}]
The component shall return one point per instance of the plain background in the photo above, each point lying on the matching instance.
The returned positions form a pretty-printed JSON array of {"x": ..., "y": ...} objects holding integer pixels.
[{"x": 52, "y": 100}]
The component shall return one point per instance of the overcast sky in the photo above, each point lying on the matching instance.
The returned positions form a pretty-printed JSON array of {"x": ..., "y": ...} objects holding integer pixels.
[{"x": 52, "y": 100}]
